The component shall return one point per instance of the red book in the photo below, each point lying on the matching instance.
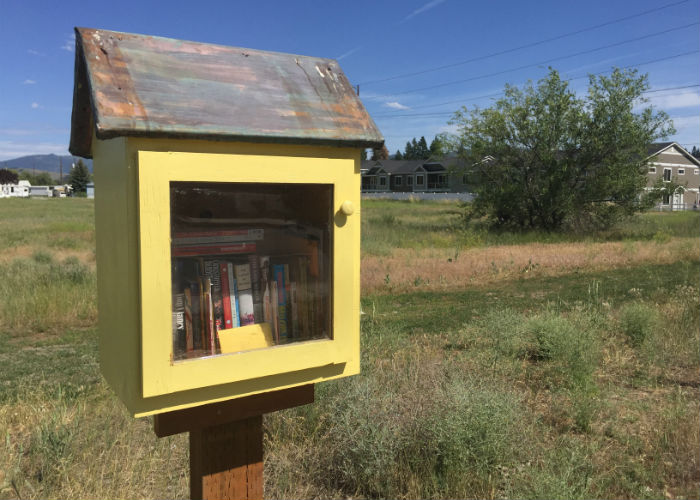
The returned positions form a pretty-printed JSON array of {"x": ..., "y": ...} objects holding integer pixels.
[
  {"x": 226, "y": 296},
  {"x": 199, "y": 250}
]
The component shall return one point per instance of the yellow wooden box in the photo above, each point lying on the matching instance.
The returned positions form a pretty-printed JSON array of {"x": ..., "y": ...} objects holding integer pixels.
[
  {"x": 132, "y": 213},
  {"x": 153, "y": 111}
]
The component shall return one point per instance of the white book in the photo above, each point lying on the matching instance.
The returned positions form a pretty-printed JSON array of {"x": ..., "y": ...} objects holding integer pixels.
[{"x": 245, "y": 294}]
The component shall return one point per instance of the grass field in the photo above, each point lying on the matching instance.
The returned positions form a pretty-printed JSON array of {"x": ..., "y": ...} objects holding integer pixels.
[{"x": 493, "y": 366}]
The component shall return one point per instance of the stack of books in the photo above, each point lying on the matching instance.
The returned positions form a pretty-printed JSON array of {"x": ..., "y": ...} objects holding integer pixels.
[{"x": 220, "y": 282}]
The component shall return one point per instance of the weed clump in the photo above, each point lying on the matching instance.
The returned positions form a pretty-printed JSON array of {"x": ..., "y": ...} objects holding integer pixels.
[
  {"x": 638, "y": 322},
  {"x": 571, "y": 347}
]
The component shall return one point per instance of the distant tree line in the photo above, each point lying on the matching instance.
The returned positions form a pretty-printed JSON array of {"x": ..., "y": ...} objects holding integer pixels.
[
  {"x": 419, "y": 150},
  {"x": 415, "y": 150}
]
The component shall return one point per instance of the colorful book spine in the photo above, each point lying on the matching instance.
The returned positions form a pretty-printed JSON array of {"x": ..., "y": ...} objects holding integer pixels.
[
  {"x": 254, "y": 262},
  {"x": 189, "y": 330},
  {"x": 202, "y": 344},
  {"x": 304, "y": 297},
  {"x": 218, "y": 237},
  {"x": 179, "y": 333},
  {"x": 278, "y": 275},
  {"x": 265, "y": 272},
  {"x": 274, "y": 316},
  {"x": 233, "y": 299},
  {"x": 210, "y": 326},
  {"x": 213, "y": 273},
  {"x": 226, "y": 295},
  {"x": 245, "y": 294},
  {"x": 200, "y": 250}
]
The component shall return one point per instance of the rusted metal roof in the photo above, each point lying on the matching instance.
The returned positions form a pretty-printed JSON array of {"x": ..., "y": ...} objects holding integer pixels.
[{"x": 138, "y": 85}]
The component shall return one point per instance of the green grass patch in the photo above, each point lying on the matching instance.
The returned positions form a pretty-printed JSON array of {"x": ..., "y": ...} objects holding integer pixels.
[{"x": 390, "y": 224}]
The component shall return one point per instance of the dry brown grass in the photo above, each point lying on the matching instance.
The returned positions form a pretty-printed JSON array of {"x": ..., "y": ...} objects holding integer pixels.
[
  {"x": 443, "y": 269},
  {"x": 87, "y": 257}
]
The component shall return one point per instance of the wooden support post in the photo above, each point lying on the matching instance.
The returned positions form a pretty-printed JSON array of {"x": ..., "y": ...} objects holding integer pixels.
[
  {"x": 226, "y": 461},
  {"x": 226, "y": 441}
]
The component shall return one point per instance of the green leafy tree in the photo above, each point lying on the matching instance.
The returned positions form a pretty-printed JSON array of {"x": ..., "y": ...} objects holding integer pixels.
[
  {"x": 79, "y": 177},
  {"x": 40, "y": 179},
  {"x": 398, "y": 155},
  {"x": 7, "y": 176},
  {"x": 561, "y": 160}
]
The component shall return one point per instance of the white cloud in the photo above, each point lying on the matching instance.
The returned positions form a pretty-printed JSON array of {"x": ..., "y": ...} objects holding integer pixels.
[
  {"x": 674, "y": 101},
  {"x": 395, "y": 105},
  {"x": 35, "y": 105},
  {"x": 349, "y": 52},
  {"x": 422, "y": 9},
  {"x": 11, "y": 149},
  {"x": 69, "y": 44},
  {"x": 683, "y": 122},
  {"x": 34, "y": 52},
  {"x": 29, "y": 82}
]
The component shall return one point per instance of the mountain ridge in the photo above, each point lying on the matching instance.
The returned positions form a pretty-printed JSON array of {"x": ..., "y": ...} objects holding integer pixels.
[{"x": 44, "y": 163}]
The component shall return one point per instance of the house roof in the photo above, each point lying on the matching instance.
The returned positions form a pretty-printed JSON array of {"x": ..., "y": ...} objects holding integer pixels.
[
  {"x": 659, "y": 147},
  {"x": 377, "y": 169},
  {"x": 138, "y": 85},
  {"x": 395, "y": 167},
  {"x": 434, "y": 167}
]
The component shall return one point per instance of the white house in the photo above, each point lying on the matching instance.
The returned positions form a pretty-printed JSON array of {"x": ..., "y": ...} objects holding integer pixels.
[{"x": 19, "y": 190}]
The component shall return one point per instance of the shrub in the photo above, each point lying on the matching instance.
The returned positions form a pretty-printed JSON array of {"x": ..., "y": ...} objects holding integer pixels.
[
  {"x": 638, "y": 322},
  {"x": 571, "y": 347}
]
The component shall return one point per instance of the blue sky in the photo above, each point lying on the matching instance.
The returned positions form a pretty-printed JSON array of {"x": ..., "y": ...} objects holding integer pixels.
[{"x": 477, "y": 45}]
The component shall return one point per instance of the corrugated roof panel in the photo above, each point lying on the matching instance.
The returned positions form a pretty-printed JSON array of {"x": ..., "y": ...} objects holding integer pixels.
[{"x": 138, "y": 85}]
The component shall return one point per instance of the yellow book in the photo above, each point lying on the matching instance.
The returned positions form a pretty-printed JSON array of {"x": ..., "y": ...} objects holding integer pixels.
[{"x": 245, "y": 338}]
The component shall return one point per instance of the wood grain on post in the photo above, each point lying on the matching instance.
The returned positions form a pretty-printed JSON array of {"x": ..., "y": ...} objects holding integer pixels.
[
  {"x": 226, "y": 441},
  {"x": 226, "y": 461}
]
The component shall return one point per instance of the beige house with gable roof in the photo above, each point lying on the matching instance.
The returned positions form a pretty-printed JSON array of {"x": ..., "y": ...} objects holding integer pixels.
[{"x": 667, "y": 161}]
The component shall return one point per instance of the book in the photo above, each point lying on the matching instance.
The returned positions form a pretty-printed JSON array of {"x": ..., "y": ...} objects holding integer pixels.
[
  {"x": 245, "y": 294},
  {"x": 294, "y": 310},
  {"x": 274, "y": 311},
  {"x": 264, "y": 264},
  {"x": 212, "y": 271},
  {"x": 185, "y": 238},
  {"x": 255, "y": 277},
  {"x": 189, "y": 331},
  {"x": 179, "y": 334},
  {"x": 233, "y": 297},
  {"x": 210, "y": 344},
  {"x": 304, "y": 299},
  {"x": 278, "y": 278},
  {"x": 215, "y": 249},
  {"x": 236, "y": 304},
  {"x": 226, "y": 295}
]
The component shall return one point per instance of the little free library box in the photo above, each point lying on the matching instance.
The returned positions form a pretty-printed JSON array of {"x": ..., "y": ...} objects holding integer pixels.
[{"x": 227, "y": 214}]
